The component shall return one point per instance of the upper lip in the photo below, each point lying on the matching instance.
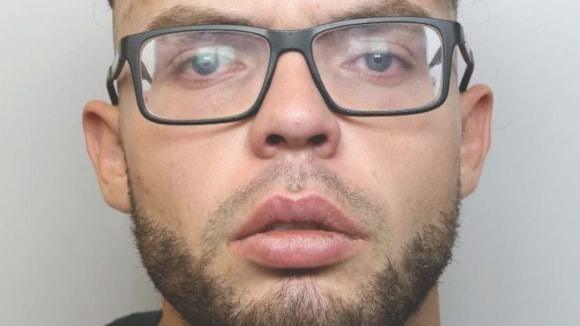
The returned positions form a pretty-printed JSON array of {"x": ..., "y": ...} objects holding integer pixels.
[{"x": 313, "y": 209}]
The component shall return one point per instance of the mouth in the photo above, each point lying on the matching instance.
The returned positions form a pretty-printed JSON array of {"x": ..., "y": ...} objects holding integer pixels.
[{"x": 298, "y": 234}]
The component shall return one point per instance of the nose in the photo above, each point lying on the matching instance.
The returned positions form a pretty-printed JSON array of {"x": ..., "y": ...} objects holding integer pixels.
[{"x": 293, "y": 115}]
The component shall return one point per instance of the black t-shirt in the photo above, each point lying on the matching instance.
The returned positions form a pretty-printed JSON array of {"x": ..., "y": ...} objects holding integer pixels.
[{"x": 151, "y": 318}]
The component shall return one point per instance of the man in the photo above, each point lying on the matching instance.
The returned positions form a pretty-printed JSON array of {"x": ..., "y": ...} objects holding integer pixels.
[{"x": 290, "y": 163}]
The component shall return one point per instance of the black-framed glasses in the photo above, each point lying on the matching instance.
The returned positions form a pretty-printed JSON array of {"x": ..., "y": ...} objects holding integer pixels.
[{"x": 207, "y": 74}]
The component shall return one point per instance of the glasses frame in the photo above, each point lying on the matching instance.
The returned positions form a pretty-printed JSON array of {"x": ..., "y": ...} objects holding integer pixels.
[{"x": 282, "y": 41}]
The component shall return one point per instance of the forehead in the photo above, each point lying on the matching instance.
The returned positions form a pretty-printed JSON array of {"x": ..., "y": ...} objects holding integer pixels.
[{"x": 133, "y": 16}]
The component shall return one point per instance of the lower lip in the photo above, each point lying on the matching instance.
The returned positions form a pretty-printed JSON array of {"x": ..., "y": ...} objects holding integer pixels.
[{"x": 297, "y": 248}]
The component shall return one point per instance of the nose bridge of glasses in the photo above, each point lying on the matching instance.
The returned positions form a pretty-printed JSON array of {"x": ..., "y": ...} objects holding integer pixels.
[
  {"x": 285, "y": 41},
  {"x": 296, "y": 41}
]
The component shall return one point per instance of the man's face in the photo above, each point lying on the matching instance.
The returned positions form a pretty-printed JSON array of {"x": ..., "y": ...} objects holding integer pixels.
[{"x": 395, "y": 182}]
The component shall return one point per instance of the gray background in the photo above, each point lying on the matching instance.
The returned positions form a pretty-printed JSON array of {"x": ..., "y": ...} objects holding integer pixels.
[{"x": 67, "y": 259}]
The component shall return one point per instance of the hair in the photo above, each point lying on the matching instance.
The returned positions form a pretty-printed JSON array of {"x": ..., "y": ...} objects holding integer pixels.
[{"x": 452, "y": 4}]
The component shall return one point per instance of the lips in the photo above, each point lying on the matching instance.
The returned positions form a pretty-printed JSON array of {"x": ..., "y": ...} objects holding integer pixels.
[{"x": 305, "y": 233}]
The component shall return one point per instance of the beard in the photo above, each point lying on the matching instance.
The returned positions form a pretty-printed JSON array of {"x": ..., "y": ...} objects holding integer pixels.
[{"x": 388, "y": 297}]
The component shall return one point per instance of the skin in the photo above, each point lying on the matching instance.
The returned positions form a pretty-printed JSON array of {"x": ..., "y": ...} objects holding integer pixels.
[{"x": 421, "y": 158}]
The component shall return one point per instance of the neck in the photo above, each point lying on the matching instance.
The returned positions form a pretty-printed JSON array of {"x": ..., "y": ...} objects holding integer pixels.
[{"x": 426, "y": 314}]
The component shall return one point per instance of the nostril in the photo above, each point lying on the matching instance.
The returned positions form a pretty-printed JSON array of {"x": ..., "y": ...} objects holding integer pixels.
[
  {"x": 318, "y": 140},
  {"x": 274, "y": 140}
]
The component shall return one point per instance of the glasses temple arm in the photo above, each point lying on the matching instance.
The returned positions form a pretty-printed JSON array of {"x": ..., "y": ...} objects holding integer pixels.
[
  {"x": 111, "y": 89},
  {"x": 437, "y": 59},
  {"x": 145, "y": 75},
  {"x": 114, "y": 72},
  {"x": 467, "y": 54}
]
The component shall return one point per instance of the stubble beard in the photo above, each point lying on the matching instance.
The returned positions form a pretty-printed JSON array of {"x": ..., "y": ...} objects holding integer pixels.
[{"x": 388, "y": 297}]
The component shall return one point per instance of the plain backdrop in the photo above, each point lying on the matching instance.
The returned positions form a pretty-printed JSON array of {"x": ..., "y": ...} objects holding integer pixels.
[{"x": 68, "y": 259}]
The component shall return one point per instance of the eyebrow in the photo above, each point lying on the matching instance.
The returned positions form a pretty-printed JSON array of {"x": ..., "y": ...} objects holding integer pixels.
[
  {"x": 182, "y": 15},
  {"x": 397, "y": 8},
  {"x": 188, "y": 15}
]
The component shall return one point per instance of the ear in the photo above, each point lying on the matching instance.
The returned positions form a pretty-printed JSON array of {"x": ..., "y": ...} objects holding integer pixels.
[
  {"x": 477, "y": 106},
  {"x": 101, "y": 127}
]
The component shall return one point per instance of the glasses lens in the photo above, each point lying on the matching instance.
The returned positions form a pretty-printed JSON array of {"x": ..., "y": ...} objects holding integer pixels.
[
  {"x": 381, "y": 67},
  {"x": 200, "y": 75}
]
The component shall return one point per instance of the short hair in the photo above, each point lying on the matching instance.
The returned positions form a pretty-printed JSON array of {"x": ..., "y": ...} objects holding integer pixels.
[{"x": 451, "y": 3}]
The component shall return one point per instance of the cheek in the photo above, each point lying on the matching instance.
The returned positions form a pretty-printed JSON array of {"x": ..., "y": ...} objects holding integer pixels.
[
  {"x": 410, "y": 164},
  {"x": 179, "y": 174}
]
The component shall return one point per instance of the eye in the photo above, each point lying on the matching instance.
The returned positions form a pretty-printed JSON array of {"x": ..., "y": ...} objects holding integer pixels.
[
  {"x": 379, "y": 62},
  {"x": 383, "y": 64},
  {"x": 202, "y": 67},
  {"x": 205, "y": 63},
  {"x": 208, "y": 60}
]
